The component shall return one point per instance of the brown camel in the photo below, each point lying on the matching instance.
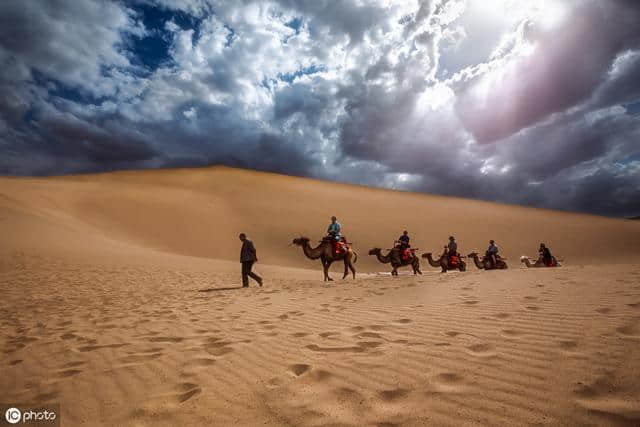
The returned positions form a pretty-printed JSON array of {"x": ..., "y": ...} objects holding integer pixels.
[
  {"x": 394, "y": 257},
  {"x": 539, "y": 262},
  {"x": 486, "y": 264},
  {"x": 327, "y": 255},
  {"x": 443, "y": 262}
]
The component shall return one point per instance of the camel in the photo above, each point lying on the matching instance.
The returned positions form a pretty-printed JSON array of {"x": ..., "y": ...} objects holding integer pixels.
[
  {"x": 396, "y": 260},
  {"x": 485, "y": 264},
  {"x": 443, "y": 262},
  {"x": 539, "y": 262},
  {"x": 327, "y": 255}
]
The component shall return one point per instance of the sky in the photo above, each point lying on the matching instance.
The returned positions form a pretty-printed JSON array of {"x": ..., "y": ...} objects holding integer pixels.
[{"x": 532, "y": 102}]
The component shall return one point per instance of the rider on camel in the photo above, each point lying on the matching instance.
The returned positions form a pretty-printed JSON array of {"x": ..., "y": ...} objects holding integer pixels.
[
  {"x": 339, "y": 243},
  {"x": 452, "y": 247},
  {"x": 452, "y": 250},
  {"x": 334, "y": 229},
  {"x": 403, "y": 244},
  {"x": 492, "y": 253},
  {"x": 545, "y": 254}
]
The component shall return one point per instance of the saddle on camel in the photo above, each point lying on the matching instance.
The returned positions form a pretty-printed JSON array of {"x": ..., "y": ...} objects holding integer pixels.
[{"x": 340, "y": 246}]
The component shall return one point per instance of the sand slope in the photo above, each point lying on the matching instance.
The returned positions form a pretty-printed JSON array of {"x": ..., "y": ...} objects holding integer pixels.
[
  {"x": 120, "y": 302},
  {"x": 200, "y": 213}
]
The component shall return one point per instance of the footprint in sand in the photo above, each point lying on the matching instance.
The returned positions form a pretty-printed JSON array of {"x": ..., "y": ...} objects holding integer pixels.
[
  {"x": 218, "y": 348},
  {"x": 139, "y": 358},
  {"x": 634, "y": 305},
  {"x": 529, "y": 297},
  {"x": 299, "y": 334},
  {"x": 448, "y": 378},
  {"x": 403, "y": 321},
  {"x": 481, "y": 350},
  {"x": 166, "y": 339},
  {"x": 328, "y": 334},
  {"x": 15, "y": 362},
  {"x": 353, "y": 349},
  {"x": 98, "y": 347},
  {"x": 299, "y": 368},
  {"x": 73, "y": 364},
  {"x": 452, "y": 334},
  {"x": 472, "y": 302},
  {"x": 187, "y": 391},
  {"x": 603, "y": 310},
  {"x": 68, "y": 373},
  {"x": 393, "y": 395},
  {"x": 511, "y": 333},
  {"x": 607, "y": 398},
  {"x": 274, "y": 382},
  {"x": 448, "y": 382},
  {"x": 502, "y": 315},
  {"x": 532, "y": 308},
  {"x": 568, "y": 344},
  {"x": 368, "y": 335}
]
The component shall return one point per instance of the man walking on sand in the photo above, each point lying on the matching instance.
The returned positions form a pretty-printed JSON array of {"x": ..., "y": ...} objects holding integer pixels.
[{"x": 247, "y": 258}]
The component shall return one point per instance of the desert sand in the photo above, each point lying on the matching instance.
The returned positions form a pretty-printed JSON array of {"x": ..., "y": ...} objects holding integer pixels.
[{"x": 121, "y": 302}]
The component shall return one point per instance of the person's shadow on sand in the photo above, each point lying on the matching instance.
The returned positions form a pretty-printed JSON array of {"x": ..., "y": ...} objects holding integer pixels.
[{"x": 235, "y": 288}]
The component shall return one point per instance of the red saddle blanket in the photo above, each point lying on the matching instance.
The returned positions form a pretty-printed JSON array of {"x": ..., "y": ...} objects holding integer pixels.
[
  {"x": 407, "y": 254},
  {"x": 453, "y": 261},
  {"x": 340, "y": 247}
]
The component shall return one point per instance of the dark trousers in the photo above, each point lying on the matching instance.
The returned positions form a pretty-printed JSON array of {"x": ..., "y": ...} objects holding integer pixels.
[{"x": 246, "y": 273}]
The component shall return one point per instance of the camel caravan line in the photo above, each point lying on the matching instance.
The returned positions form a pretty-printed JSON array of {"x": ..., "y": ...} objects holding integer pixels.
[{"x": 330, "y": 250}]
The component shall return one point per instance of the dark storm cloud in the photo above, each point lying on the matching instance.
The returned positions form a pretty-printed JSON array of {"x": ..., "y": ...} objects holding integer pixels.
[
  {"x": 568, "y": 64},
  {"x": 353, "y": 91}
]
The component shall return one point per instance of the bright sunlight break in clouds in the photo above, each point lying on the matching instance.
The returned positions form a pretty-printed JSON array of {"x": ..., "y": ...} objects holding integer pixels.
[{"x": 533, "y": 102}]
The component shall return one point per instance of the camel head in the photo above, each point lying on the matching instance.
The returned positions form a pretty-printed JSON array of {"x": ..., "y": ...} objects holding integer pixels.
[
  {"x": 473, "y": 254},
  {"x": 300, "y": 241},
  {"x": 523, "y": 258},
  {"x": 374, "y": 251},
  {"x": 426, "y": 255}
]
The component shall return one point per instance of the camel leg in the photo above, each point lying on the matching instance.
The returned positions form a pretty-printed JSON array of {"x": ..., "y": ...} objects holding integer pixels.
[
  {"x": 346, "y": 268},
  {"x": 326, "y": 271},
  {"x": 353, "y": 269}
]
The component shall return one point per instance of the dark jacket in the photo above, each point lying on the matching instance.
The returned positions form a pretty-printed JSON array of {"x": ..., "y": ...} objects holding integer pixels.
[
  {"x": 545, "y": 253},
  {"x": 248, "y": 251},
  {"x": 453, "y": 248}
]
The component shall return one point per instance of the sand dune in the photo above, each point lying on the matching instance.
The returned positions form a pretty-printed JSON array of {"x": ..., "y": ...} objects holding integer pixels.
[
  {"x": 200, "y": 213},
  {"x": 120, "y": 302}
]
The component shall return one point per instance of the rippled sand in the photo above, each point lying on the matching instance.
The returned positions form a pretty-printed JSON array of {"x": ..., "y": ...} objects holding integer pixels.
[{"x": 110, "y": 308}]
